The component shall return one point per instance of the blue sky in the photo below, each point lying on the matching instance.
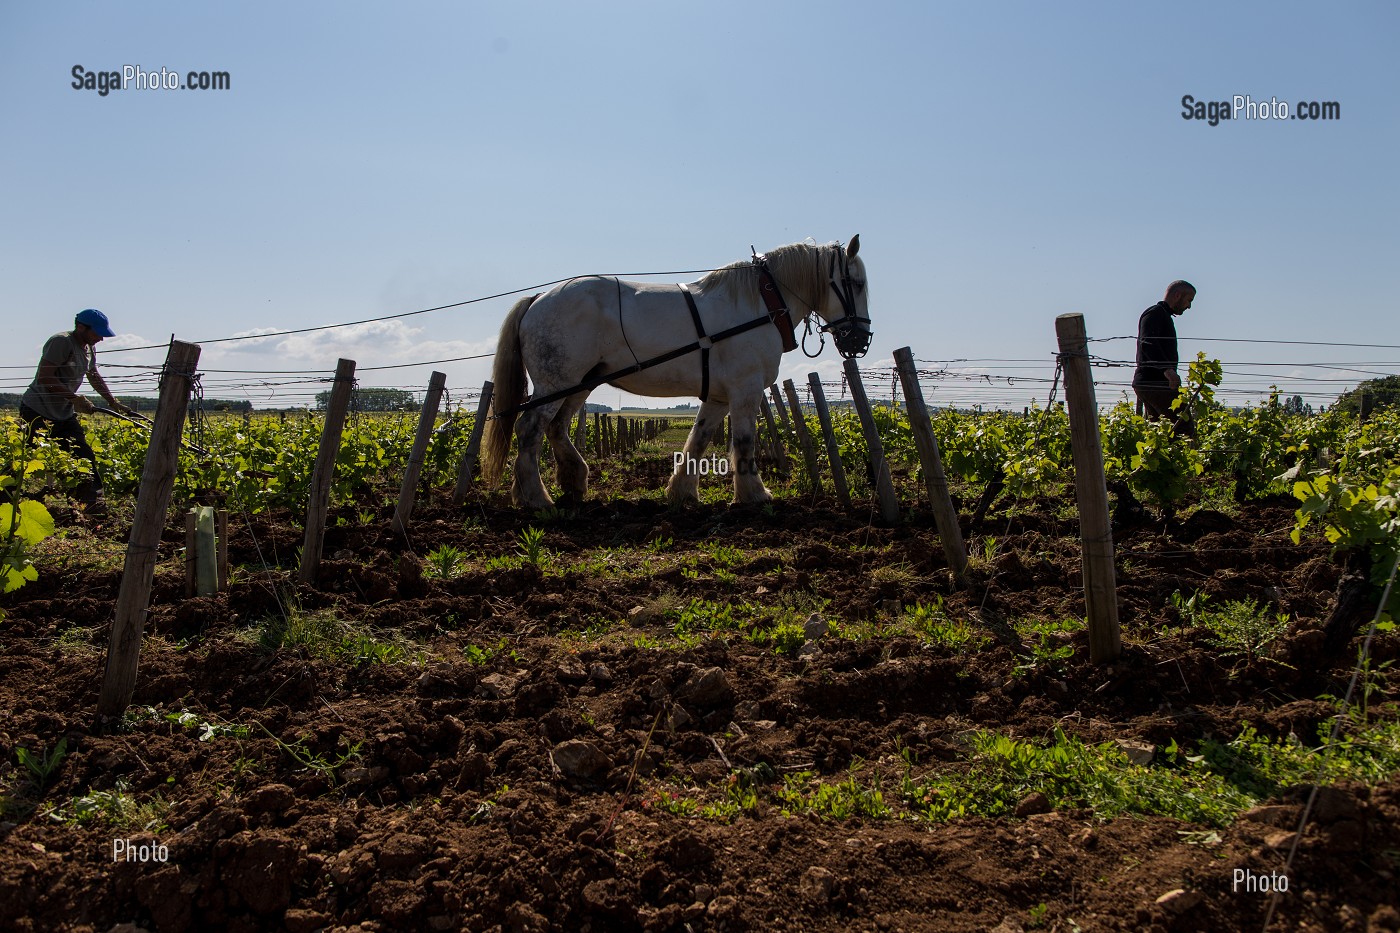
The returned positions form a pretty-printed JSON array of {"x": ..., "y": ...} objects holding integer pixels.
[{"x": 1003, "y": 163}]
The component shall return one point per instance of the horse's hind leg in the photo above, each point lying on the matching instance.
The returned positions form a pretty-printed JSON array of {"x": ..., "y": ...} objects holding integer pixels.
[
  {"x": 743, "y": 450},
  {"x": 569, "y": 467},
  {"x": 527, "y": 489},
  {"x": 685, "y": 481}
]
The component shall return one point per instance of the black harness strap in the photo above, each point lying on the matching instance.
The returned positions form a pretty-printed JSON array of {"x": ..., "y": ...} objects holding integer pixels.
[
  {"x": 594, "y": 382},
  {"x": 702, "y": 341}
]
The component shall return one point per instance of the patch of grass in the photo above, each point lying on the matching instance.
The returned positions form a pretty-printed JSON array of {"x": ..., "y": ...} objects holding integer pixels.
[
  {"x": 1072, "y": 775},
  {"x": 730, "y": 798},
  {"x": 36, "y": 771},
  {"x": 444, "y": 563},
  {"x": 590, "y": 633},
  {"x": 1243, "y": 628},
  {"x": 901, "y": 573},
  {"x": 1366, "y": 750},
  {"x": 932, "y": 625},
  {"x": 804, "y": 792},
  {"x": 115, "y": 808},
  {"x": 531, "y": 547},
  {"x": 482, "y": 654},
  {"x": 323, "y": 634},
  {"x": 326, "y": 765}
]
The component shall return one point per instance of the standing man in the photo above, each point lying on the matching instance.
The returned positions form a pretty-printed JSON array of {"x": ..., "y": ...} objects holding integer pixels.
[
  {"x": 1156, "y": 380},
  {"x": 52, "y": 398}
]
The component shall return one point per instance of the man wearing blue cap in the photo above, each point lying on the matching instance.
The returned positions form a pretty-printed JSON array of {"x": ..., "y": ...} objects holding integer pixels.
[{"x": 53, "y": 399}]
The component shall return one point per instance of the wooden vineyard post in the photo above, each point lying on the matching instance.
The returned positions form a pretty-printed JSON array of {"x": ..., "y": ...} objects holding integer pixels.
[
  {"x": 1096, "y": 536},
  {"x": 324, "y": 470},
  {"x": 467, "y": 467},
  {"x": 775, "y": 440},
  {"x": 931, "y": 460},
  {"x": 779, "y": 407},
  {"x": 408, "y": 492},
  {"x": 804, "y": 439},
  {"x": 152, "y": 503},
  {"x": 884, "y": 485},
  {"x": 833, "y": 450}
]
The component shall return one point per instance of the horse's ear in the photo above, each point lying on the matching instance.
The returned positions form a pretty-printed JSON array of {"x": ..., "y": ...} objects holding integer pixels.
[{"x": 854, "y": 247}]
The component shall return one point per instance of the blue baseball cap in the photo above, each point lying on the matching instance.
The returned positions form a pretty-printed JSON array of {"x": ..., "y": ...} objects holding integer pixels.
[{"x": 96, "y": 320}]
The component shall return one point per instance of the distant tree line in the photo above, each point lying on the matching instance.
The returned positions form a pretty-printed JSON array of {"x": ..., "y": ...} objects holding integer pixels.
[
  {"x": 1371, "y": 395},
  {"x": 10, "y": 400},
  {"x": 373, "y": 400}
]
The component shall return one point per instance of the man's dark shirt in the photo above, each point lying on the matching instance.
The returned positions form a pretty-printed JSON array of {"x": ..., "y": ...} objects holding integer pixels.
[{"x": 1156, "y": 346}]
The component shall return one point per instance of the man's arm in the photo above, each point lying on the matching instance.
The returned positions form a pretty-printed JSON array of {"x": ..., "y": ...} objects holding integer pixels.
[{"x": 100, "y": 384}]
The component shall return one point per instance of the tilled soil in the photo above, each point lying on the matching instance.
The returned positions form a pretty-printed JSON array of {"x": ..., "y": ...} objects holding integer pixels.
[{"x": 509, "y": 764}]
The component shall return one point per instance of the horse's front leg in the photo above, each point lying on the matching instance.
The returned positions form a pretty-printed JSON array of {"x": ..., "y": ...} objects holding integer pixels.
[
  {"x": 527, "y": 488},
  {"x": 685, "y": 480},
  {"x": 743, "y": 451}
]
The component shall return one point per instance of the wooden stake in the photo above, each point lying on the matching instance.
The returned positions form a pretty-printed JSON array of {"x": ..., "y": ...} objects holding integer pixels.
[
  {"x": 408, "y": 492},
  {"x": 775, "y": 441},
  {"x": 324, "y": 470},
  {"x": 884, "y": 485},
  {"x": 467, "y": 468},
  {"x": 1096, "y": 535},
  {"x": 944, "y": 514},
  {"x": 779, "y": 407},
  {"x": 833, "y": 450},
  {"x": 804, "y": 440},
  {"x": 152, "y": 504}
]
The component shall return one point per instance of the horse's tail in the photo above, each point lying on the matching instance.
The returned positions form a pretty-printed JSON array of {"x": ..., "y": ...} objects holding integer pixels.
[{"x": 508, "y": 377}]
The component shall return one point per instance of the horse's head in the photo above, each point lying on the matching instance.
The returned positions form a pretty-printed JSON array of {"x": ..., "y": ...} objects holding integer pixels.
[{"x": 848, "y": 317}]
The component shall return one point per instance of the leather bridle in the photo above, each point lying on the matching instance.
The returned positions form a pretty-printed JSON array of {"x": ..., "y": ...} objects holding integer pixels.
[{"x": 851, "y": 332}]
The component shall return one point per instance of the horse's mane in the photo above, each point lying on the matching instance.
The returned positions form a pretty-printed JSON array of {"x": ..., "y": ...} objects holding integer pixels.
[{"x": 799, "y": 268}]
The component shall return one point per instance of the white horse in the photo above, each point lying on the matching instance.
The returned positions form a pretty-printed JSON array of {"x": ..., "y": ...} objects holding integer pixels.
[{"x": 652, "y": 340}]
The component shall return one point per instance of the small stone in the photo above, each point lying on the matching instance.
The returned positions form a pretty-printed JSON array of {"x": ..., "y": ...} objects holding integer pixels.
[
  {"x": 579, "y": 759},
  {"x": 1139, "y": 753},
  {"x": 495, "y": 686},
  {"x": 1280, "y": 840},
  {"x": 635, "y": 611},
  {"x": 704, "y": 893},
  {"x": 709, "y": 687},
  {"x": 572, "y": 672},
  {"x": 809, "y": 651},
  {"x": 816, "y": 627},
  {"x": 600, "y": 674},
  {"x": 817, "y": 884},
  {"x": 1033, "y": 803},
  {"x": 1179, "y": 901}
]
